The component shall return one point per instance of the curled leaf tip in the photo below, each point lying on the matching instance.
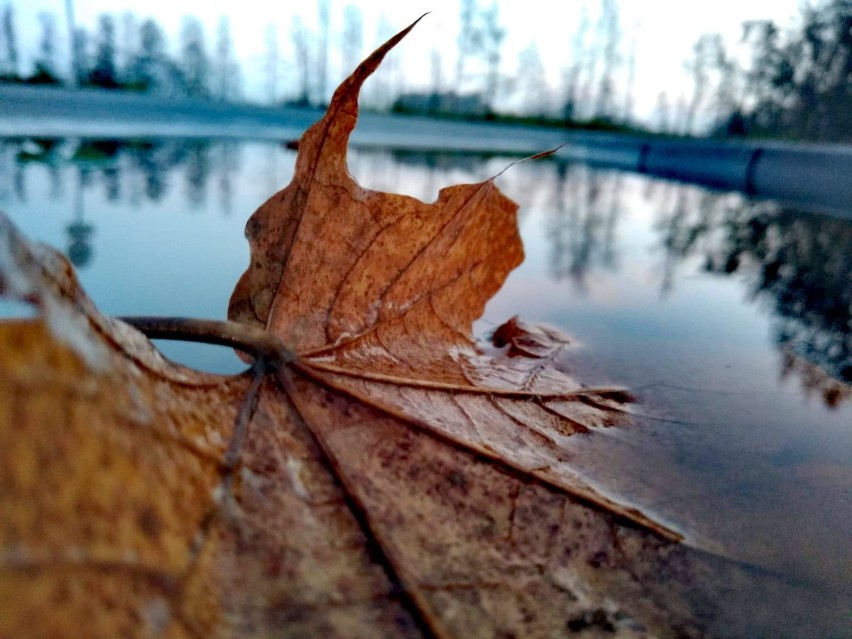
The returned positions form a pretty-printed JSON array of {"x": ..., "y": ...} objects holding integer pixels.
[{"x": 350, "y": 88}]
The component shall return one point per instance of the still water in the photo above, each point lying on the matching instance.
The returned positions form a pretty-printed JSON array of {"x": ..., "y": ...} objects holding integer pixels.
[{"x": 728, "y": 318}]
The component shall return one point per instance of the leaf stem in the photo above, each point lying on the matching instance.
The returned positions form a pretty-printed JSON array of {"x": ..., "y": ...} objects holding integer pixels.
[{"x": 257, "y": 342}]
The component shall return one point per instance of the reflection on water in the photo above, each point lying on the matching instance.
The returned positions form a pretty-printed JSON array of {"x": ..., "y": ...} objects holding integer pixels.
[
  {"x": 706, "y": 304},
  {"x": 586, "y": 208},
  {"x": 794, "y": 265},
  {"x": 797, "y": 265},
  {"x": 122, "y": 172},
  {"x": 126, "y": 172}
]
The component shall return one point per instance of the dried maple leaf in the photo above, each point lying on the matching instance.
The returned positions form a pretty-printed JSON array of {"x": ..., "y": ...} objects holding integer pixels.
[
  {"x": 378, "y": 476},
  {"x": 377, "y": 294}
]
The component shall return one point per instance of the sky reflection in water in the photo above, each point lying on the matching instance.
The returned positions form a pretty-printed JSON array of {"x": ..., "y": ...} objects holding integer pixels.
[{"x": 729, "y": 318}]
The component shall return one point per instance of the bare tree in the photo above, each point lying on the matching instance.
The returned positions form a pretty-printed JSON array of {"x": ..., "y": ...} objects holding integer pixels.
[
  {"x": 705, "y": 54},
  {"x": 532, "y": 83},
  {"x": 10, "y": 44},
  {"x": 147, "y": 72},
  {"x": 627, "y": 112},
  {"x": 573, "y": 74},
  {"x": 194, "y": 64},
  {"x": 45, "y": 65},
  {"x": 468, "y": 39},
  {"x": 103, "y": 74},
  {"x": 127, "y": 45},
  {"x": 72, "y": 29},
  {"x": 727, "y": 93},
  {"x": 353, "y": 37},
  {"x": 323, "y": 21},
  {"x": 491, "y": 42},
  {"x": 226, "y": 68},
  {"x": 301, "y": 49},
  {"x": 609, "y": 36},
  {"x": 82, "y": 63},
  {"x": 272, "y": 61},
  {"x": 590, "y": 71},
  {"x": 764, "y": 38}
]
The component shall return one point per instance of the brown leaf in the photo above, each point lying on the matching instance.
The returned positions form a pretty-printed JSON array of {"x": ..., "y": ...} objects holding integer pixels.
[
  {"x": 383, "y": 475},
  {"x": 377, "y": 294},
  {"x": 120, "y": 511}
]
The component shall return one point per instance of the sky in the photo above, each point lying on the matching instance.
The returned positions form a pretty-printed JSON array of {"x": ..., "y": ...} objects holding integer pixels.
[{"x": 665, "y": 31}]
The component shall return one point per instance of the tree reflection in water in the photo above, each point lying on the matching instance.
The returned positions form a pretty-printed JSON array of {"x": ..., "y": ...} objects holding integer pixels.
[
  {"x": 79, "y": 231},
  {"x": 227, "y": 164},
  {"x": 800, "y": 266},
  {"x": 144, "y": 168},
  {"x": 795, "y": 263},
  {"x": 586, "y": 207},
  {"x": 131, "y": 170}
]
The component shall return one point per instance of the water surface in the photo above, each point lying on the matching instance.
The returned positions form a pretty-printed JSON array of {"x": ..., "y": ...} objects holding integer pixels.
[{"x": 729, "y": 318}]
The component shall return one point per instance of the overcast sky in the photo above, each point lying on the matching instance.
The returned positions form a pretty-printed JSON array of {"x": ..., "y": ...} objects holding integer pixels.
[{"x": 665, "y": 31}]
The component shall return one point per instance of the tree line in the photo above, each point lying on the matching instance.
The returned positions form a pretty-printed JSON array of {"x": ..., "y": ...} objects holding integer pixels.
[
  {"x": 793, "y": 82},
  {"x": 141, "y": 63},
  {"x": 788, "y": 81}
]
